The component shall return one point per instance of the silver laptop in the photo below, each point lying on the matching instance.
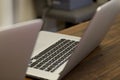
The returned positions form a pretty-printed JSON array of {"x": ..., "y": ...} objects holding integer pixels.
[
  {"x": 16, "y": 46},
  {"x": 56, "y": 54}
]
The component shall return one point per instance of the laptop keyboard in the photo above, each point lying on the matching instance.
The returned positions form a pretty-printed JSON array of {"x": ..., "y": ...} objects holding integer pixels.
[{"x": 54, "y": 56}]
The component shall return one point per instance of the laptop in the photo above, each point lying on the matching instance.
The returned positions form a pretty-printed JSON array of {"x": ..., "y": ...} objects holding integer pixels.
[
  {"x": 16, "y": 46},
  {"x": 56, "y": 54}
]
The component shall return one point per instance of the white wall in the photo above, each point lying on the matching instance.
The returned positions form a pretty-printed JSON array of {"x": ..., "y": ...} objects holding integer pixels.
[
  {"x": 6, "y": 12},
  {"x": 23, "y": 10},
  {"x": 13, "y": 11}
]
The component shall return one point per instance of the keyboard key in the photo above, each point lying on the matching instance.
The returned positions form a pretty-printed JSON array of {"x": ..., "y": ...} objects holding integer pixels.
[{"x": 54, "y": 56}]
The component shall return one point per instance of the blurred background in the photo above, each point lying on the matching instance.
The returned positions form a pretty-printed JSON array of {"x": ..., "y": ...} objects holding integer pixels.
[{"x": 57, "y": 14}]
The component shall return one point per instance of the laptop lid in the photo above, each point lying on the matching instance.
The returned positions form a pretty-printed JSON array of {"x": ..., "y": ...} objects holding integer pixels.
[
  {"x": 16, "y": 45},
  {"x": 95, "y": 33}
]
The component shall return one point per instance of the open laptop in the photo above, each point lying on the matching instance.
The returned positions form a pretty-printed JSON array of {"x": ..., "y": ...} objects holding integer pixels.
[
  {"x": 16, "y": 46},
  {"x": 56, "y": 54}
]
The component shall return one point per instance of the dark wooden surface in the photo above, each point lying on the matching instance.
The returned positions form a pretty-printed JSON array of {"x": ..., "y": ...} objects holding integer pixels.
[{"x": 104, "y": 62}]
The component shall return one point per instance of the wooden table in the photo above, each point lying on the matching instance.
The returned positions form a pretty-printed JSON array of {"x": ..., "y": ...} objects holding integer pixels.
[{"x": 104, "y": 62}]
